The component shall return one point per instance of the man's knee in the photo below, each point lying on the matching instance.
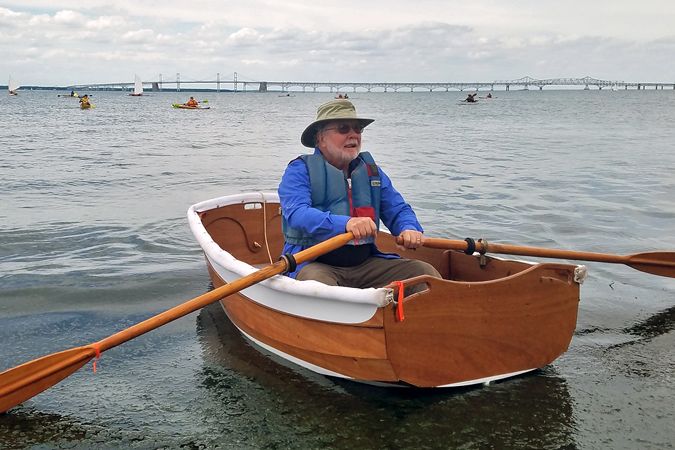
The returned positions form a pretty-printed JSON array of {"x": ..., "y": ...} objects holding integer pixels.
[
  {"x": 427, "y": 269},
  {"x": 423, "y": 268},
  {"x": 418, "y": 268}
]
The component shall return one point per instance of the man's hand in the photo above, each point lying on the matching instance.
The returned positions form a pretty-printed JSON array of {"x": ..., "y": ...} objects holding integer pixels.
[
  {"x": 410, "y": 239},
  {"x": 361, "y": 227}
]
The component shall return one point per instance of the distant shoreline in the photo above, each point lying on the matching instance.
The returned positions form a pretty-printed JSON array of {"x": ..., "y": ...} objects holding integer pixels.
[{"x": 256, "y": 91}]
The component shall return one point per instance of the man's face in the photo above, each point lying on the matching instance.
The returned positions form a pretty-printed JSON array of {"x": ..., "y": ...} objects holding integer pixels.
[{"x": 340, "y": 142}]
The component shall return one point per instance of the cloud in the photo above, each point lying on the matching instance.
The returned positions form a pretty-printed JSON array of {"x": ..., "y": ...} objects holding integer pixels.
[
  {"x": 244, "y": 37},
  {"x": 9, "y": 18},
  {"x": 425, "y": 44},
  {"x": 68, "y": 17},
  {"x": 141, "y": 36},
  {"x": 107, "y": 23}
]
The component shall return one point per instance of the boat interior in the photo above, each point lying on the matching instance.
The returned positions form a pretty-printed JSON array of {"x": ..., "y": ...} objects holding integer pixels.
[{"x": 251, "y": 232}]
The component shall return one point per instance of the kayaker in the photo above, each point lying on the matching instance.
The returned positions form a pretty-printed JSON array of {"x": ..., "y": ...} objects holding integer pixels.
[
  {"x": 339, "y": 189},
  {"x": 72, "y": 93},
  {"x": 471, "y": 98},
  {"x": 84, "y": 101},
  {"x": 192, "y": 102},
  {"x": 489, "y": 95}
]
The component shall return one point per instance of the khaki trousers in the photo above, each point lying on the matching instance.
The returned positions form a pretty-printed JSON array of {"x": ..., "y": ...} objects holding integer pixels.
[{"x": 373, "y": 272}]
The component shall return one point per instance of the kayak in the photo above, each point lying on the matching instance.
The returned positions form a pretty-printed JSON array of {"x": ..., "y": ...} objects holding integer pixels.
[
  {"x": 488, "y": 318},
  {"x": 179, "y": 106},
  {"x": 83, "y": 106}
]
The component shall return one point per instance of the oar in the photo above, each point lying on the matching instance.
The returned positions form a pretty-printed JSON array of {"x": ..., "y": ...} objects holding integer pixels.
[
  {"x": 29, "y": 379},
  {"x": 656, "y": 263}
]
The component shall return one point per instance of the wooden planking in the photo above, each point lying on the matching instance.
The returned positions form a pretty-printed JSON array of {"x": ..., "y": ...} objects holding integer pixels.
[
  {"x": 351, "y": 350},
  {"x": 241, "y": 231},
  {"x": 468, "y": 268},
  {"x": 457, "y": 332},
  {"x": 361, "y": 369},
  {"x": 357, "y": 351},
  {"x": 319, "y": 336}
]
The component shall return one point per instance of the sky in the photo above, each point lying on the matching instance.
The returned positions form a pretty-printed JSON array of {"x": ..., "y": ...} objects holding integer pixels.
[{"x": 65, "y": 42}]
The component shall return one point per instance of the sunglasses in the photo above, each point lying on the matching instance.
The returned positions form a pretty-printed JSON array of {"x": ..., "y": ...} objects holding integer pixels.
[{"x": 344, "y": 128}]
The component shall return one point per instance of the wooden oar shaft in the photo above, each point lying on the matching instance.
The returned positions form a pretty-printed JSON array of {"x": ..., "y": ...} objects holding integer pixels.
[
  {"x": 547, "y": 253},
  {"x": 553, "y": 253},
  {"x": 190, "y": 306},
  {"x": 524, "y": 251},
  {"x": 219, "y": 293}
]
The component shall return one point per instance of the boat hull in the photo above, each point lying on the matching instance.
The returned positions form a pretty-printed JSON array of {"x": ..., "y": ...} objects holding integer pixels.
[{"x": 487, "y": 319}]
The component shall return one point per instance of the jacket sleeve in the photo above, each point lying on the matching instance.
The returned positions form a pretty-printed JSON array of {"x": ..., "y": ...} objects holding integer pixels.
[
  {"x": 395, "y": 213},
  {"x": 295, "y": 195}
]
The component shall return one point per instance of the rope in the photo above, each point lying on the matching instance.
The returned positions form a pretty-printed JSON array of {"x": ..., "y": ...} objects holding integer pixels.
[{"x": 267, "y": 245}]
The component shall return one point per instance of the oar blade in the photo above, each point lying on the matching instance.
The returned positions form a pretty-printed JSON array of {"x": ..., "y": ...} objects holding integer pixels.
[
  {"x": 657, "y": 263},
  {"x": 29, "y": 379}
]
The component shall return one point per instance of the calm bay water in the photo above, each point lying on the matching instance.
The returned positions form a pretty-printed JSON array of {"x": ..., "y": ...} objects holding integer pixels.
[{"x": 93, "y": 238}]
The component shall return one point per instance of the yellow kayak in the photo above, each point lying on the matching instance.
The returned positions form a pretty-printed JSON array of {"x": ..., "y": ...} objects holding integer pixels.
[{"x": 179, "y": 106}]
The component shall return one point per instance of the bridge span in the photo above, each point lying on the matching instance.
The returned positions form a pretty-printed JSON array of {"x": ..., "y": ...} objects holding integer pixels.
[{"x": 236, "y": 85}]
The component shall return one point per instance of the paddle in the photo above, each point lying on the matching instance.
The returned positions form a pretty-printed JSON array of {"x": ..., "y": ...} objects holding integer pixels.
[
  {"x": 29, "y": 379},
  {"x": 656, "y": 263}
]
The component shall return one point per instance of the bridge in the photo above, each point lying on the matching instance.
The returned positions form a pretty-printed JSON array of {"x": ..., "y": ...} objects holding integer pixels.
[{"x": 236, "y": 85}]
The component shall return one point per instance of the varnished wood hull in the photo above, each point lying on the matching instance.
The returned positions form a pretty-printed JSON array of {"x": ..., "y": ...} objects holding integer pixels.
[{"x": 485, "y": 321}]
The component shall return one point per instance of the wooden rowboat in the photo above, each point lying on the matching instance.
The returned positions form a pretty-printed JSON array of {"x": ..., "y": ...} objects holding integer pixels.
[{"x": 488, "y": 319}]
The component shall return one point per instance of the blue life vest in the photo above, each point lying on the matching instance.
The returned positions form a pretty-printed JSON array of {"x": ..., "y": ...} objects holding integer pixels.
[{"x": 330, "y": 192}]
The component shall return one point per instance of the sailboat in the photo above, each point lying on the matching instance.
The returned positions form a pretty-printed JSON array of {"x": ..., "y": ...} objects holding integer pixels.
[
  {"x": 138, "y": 86},
  {"x": 12, "y": 86}
]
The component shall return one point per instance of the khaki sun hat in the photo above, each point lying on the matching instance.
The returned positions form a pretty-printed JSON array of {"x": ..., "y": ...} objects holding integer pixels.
[{"x": 333, "y": 110}]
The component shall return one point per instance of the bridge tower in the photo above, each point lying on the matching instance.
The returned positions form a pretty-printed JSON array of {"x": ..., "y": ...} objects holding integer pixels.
[
  {"x": 177, "y": 81},
  {"x": 235, "y": 82},
  {"x": 218, "y": 82}
]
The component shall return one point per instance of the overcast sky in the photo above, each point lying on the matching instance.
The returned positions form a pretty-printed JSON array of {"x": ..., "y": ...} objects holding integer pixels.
[{"x": 62, "y": 42}]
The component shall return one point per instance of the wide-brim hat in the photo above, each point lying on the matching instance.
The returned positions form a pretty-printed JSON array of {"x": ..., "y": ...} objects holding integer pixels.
[{"x": 328, "y": 112}]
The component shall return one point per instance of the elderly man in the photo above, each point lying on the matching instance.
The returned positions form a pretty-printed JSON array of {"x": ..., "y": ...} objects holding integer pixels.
[{"x": 339, "y": 189}]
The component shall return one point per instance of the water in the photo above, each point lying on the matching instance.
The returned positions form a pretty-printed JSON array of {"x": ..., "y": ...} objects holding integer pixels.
[{"x": 94, "y": 239}]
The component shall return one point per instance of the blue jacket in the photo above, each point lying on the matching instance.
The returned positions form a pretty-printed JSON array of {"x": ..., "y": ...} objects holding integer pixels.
[
  {"x": 295, "y": 194},
  {"x": 330, "y": 192}
]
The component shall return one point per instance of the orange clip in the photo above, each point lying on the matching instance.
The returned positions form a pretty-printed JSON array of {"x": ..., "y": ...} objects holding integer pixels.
[{"x": 399, "y": 306}]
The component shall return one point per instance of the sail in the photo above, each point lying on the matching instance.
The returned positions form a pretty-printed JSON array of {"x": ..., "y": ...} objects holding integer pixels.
[
  {"x": 12, "y": 85},
  {"x": 138, "y": 85}
]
